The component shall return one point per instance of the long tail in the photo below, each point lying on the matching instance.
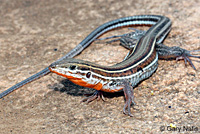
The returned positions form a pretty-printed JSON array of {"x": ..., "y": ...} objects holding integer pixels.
[{"x": 30, "y": 79}]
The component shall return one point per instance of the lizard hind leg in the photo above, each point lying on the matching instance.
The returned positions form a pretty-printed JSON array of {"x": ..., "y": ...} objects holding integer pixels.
[
  {"x": 175, "y": 52},
  {"x": 127, "y": 40},
  {"x": 128, "y": 92}
]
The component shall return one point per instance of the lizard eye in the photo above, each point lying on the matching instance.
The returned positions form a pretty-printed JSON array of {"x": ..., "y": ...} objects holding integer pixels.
[
  {"x": 88, "y": 74},
  {"x": 72, "y": 67}
]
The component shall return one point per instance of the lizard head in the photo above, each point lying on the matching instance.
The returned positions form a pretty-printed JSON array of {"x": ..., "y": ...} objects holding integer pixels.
[{"x": 77, "y": 71}]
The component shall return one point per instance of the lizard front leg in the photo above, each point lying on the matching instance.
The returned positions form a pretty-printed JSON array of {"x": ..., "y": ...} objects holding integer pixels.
[{"x": 128, "y": 92}]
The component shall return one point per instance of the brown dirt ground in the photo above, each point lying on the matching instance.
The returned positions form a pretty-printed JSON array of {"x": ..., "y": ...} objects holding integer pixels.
[{"x": 31, "y": 30}]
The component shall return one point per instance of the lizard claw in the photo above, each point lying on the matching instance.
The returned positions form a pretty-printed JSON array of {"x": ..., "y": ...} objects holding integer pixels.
[
  {"x": 186, "y": 54},
  {"x": 96, "y": 95}
]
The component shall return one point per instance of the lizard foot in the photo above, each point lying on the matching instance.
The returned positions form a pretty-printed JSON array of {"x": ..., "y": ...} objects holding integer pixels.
[
  {"x": 186, "y": 56},
  {"x": 96, "y": 95}
]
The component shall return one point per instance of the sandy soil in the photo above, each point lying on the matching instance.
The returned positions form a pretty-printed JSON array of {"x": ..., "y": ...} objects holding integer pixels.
[{"x": 34, "y": 33}]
